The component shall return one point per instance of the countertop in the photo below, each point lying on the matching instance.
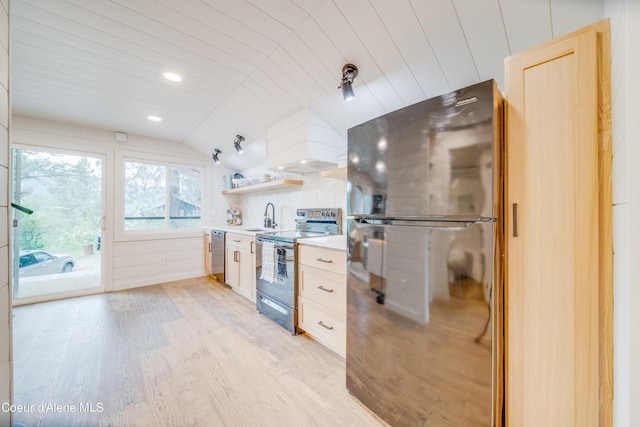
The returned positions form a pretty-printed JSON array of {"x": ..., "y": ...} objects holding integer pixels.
[
  {"x": 239, "y": 229},
  {"x": 338, "y": 242}
]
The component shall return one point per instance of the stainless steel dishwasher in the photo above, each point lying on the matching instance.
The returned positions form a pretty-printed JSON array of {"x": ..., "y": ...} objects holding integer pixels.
[{"x": 217, "y": 254}]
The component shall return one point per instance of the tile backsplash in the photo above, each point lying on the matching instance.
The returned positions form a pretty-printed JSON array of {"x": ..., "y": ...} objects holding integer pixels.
[{"x": 316, "y": 192}]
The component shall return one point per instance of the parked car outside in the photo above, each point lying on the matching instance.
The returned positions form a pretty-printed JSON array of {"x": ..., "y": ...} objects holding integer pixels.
[{"x": 39, "y": 262}]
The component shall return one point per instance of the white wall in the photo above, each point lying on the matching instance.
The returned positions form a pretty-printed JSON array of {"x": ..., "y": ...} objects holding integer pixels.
[
  {"x": 6, "y": 372},
  {"x": 218, "y": 204},
  {"x": 130, "y": 261},
  {"x": 625, "y": 43}
]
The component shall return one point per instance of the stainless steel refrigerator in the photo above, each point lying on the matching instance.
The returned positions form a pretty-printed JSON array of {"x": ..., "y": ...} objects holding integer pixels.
[{"x": 424, "y": 200}]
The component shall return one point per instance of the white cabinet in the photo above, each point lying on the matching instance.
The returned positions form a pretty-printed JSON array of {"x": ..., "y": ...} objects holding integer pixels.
[
  {"x": 303, "y": 143},
  {"x": 208, "y": 267},
  {"x": 240, "y": 264},
  {"x": 322, "y": 299}
]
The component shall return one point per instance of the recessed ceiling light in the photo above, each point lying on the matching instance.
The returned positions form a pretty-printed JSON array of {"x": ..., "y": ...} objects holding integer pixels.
[
  {"x": 172, "y": 76},
  {"x": 303, "y": 161},
  {"x": 154, "y": 118}
]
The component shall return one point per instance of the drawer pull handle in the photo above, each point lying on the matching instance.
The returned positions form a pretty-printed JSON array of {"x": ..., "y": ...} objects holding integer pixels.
[
  {"x": 237, "y": 241},
  {"x": 325, "y": 326},
  {"x": 322, "y": 288},
  {"x": 328, "y": 261}
]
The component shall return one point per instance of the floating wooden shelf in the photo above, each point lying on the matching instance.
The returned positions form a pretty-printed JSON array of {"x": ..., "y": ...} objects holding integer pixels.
[
  {"x": 271, "y": 185},
  {"x": 335, "y": 173}
]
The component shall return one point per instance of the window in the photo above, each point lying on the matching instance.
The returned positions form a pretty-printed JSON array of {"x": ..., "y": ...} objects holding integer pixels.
[
  {"x": 161, "y": 196},
  {"x": 26, "y": 260},
  {"x": 42, "y": 257}
]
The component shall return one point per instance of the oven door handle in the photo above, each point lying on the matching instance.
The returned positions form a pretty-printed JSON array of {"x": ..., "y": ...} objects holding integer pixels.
[{"x": 277, "y": 243}]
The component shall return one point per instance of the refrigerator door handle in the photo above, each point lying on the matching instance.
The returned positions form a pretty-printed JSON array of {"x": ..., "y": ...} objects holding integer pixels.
[{"x": 438, "y": 224}]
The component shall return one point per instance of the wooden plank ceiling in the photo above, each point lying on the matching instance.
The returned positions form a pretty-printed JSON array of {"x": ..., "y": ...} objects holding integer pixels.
[{"x": 247, "y": 64}]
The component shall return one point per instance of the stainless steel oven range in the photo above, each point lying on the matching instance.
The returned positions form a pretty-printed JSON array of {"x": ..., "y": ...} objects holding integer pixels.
[{"x": 276, "y": 264}]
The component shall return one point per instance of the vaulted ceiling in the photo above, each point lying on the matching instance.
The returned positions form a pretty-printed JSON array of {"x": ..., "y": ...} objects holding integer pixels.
[{"x": 247, "y": 64}]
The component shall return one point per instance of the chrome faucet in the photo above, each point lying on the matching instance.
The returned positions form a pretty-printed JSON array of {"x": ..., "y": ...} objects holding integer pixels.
[{"x": 270, "y": 222}]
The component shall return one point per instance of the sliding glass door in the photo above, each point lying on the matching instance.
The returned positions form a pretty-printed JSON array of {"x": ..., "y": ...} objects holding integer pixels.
[{"x": 57, "y": 224}]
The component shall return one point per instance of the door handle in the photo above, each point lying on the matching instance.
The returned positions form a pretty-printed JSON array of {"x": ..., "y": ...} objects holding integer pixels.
[
  {"x": 22, "y": 208},
  {"x": 210, "y": 247},
  {"x": 515, "y": 219},
  {"x": 252, "y": 246}
]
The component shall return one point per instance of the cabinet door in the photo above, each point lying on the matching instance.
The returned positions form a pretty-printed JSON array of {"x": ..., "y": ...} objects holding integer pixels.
[
  {"x": 558, "y": 232},
  {"x": 208, "y": 268},
  {"x": 232, "y": 267},
  {"x": 247, "y": 272}
]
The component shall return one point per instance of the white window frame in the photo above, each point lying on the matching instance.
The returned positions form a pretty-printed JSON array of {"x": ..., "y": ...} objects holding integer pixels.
[{"x": 133, "y": 235}]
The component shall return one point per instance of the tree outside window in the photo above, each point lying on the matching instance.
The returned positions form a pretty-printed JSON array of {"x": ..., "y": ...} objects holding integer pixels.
[
  {"x": 65, "y": 191},
  {"x": 162, "y": 196}
]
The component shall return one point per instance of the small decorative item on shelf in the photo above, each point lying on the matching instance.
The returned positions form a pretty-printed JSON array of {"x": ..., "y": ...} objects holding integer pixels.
[
  {"x": 253, "y": 180},
  {"x": 265, "y": 177},
  {"x": 228, "y": 182},
  {"x": 264, "y": 182},
  {"x": 237, "y": 180},
  {"x": 233, "y": 216},
  {"x": 240, "y": 182}
]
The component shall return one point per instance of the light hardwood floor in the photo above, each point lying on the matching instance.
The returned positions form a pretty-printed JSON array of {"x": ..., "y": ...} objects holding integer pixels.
[{"x": 186, "y": 353}]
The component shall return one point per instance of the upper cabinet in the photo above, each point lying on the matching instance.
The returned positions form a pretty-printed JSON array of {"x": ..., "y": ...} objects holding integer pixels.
[{"x": 303, "y": 143}]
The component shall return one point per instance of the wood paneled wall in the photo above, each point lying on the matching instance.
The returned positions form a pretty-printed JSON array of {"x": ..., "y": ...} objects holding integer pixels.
[
  {"x": 5, "y": 298},
  {"x": 148, "y": 262}
]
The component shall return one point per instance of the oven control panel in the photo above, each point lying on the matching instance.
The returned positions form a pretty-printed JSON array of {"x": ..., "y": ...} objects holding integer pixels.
[{"x": 320, "y": 214}]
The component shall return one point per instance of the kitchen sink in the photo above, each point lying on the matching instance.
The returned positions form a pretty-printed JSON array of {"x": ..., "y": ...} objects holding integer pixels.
[{"x": 253, "y": 229}]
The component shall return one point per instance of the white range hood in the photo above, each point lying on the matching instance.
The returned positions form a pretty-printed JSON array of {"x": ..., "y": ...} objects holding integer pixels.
[{"x": 303, "y": 143}]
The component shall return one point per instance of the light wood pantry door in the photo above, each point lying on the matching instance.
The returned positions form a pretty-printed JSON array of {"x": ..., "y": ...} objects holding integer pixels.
[{"x": 558, "y": 232}]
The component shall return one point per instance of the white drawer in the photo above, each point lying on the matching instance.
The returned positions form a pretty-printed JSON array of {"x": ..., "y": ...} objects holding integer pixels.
[
  {"x": 324, "y": 325},
  {"x": 323, "y": 287},
  {"x": 240, "y": 240},
  {"x": 324, "y": 259}
]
